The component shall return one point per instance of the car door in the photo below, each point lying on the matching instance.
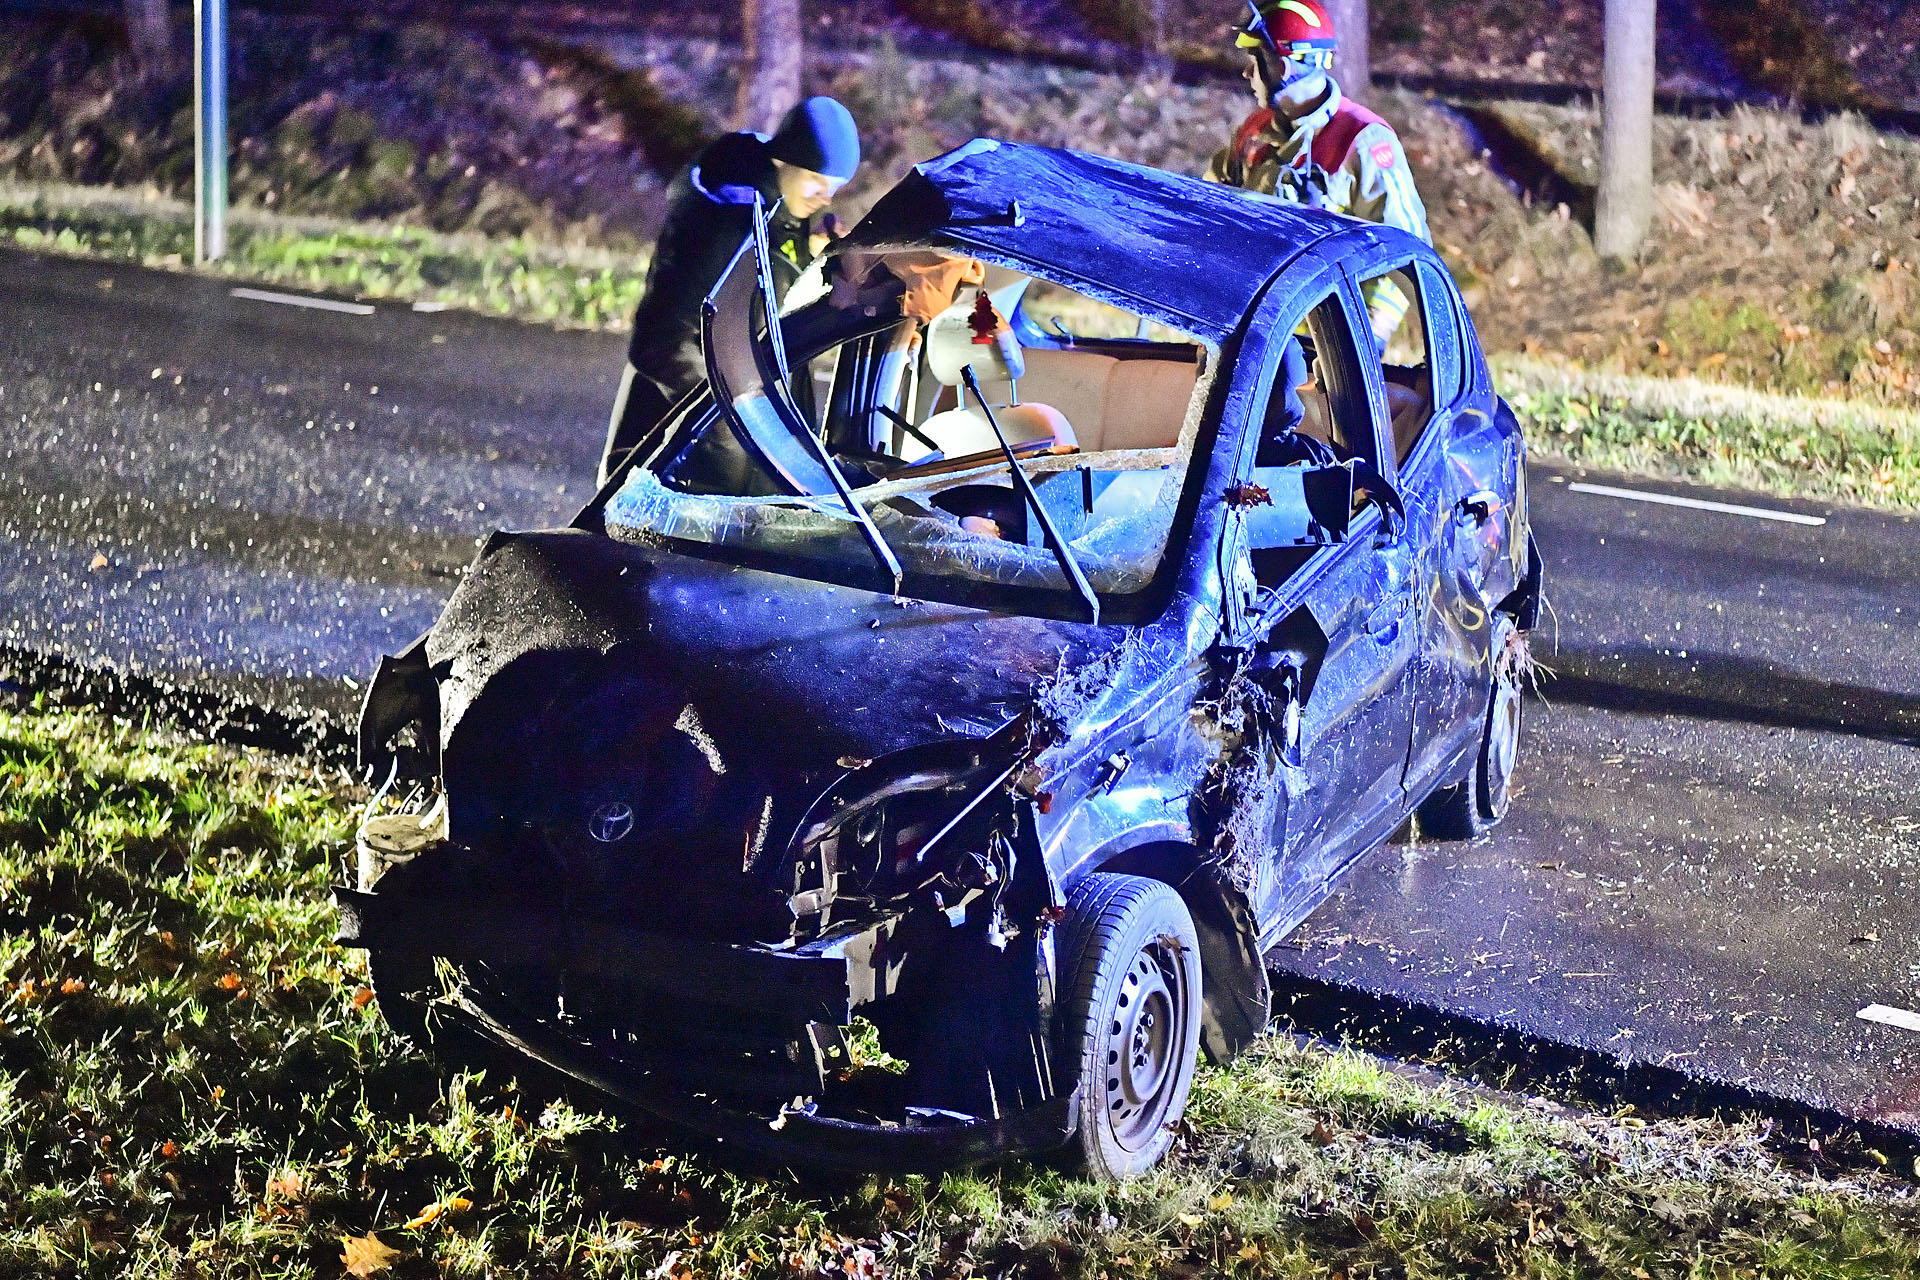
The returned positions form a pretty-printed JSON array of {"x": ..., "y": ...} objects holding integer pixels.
[
  {"x": 1348, "y": 645},
  {"x": 1454, "y": 515}
]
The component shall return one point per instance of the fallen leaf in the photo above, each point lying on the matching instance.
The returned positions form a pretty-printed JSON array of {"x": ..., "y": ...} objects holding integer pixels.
[
  {"x": 1669, "y": 1212},
  {"x": 169, "y": 1149},
  {"x": 1192, "y": 1219},
  {"x": 229, "y": 982},
  {"x": 1321, "y": 1135},
  {"x": 1242, "y": 496},
  {"x": 287, "y": 1184},
  {"x": 72, "y": 985},
  {"x": 99, "y": 563},
  {"x": 452, "y": 1206},
  {"x": 1222, "y": 1201},
  {"x": 362, "y": 997},
  {"x": 367, "y": 1255}
]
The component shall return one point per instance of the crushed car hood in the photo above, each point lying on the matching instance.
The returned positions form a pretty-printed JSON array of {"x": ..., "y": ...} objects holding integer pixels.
[
  {"x": 804, "y": 668},
  {"x": 581, "y": 676}
]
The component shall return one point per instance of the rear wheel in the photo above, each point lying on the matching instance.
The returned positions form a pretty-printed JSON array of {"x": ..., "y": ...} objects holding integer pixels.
[
  {"x": 1474, "y": 806},
  {"x": 1133, "y": 958}
]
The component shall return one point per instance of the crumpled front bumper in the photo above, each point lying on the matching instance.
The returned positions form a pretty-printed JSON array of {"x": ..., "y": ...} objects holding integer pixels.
[
  {"x": 823, "y": 983},
  {"x": 927, "y": 1143}
]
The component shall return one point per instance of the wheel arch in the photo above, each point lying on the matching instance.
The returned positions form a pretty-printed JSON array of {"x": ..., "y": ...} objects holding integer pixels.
[
  {"x": 1236, "y": 998},
  {"x": 1523, "y": 603}
]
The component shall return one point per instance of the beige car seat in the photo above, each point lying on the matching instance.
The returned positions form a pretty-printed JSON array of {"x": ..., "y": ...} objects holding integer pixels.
[{"x": 961, "y": 431}]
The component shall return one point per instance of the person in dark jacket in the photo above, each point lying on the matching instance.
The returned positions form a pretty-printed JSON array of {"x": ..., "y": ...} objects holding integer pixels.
[{"x": 709, "y": 216}]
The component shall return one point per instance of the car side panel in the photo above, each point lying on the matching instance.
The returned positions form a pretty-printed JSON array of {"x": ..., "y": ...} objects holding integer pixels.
[
  {"x": 1356, "y": 719},
  {"x": 1462, "y": 483}
]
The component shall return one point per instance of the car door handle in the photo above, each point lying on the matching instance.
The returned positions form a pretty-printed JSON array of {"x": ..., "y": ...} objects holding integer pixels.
[
  {"x": 1383, "y": 624},
  {"x": 1481, "y": 505}
]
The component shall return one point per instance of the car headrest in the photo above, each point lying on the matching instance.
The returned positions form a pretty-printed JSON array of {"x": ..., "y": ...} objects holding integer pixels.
[{"x": 954, "y": 342}]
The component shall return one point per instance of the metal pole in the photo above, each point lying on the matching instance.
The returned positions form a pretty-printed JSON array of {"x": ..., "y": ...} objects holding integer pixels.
[
  {"x": 1624, "y": 202},
  {"x": 210, "y": 129}
]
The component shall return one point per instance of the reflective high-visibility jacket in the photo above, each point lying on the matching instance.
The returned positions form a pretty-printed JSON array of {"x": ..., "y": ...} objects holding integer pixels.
[{"x": 1339, "y": 156}]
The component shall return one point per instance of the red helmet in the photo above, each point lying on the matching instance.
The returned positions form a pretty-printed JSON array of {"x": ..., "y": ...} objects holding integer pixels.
[{"x": 1297, "y": 29}]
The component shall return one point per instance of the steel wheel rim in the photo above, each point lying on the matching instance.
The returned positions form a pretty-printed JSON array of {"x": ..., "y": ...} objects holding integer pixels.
[{"x": 1145, "y": 1029}]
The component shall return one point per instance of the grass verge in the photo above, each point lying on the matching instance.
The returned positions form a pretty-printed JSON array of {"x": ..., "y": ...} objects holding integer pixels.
[
  {"x": 1685, "y": 428},
  {"x": 573, "y": 286},
  {"x": 193, "y": 1083}
]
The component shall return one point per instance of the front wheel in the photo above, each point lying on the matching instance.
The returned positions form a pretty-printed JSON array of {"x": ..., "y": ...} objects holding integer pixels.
[
  {"x": 1133, "y": 957},
  {"x": 402, "y": 986},
  {"x": 1473, "y": 807}
]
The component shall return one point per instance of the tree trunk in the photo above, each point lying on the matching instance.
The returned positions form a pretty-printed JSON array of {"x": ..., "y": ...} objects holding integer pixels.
[
  {"x": 1625, "y": 205},
  {"x": 1353, "y": 64},
  {"x": 770, "y": 70},
  {"x": 1155, "y": 63},
  {"x": 150, "y": 30}
]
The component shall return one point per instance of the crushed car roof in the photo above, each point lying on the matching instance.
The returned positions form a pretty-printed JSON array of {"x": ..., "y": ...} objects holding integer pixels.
[{"x": 1193, "y": 254}]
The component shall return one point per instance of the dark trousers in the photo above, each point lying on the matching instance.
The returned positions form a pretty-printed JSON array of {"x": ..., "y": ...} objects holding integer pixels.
[{"x": 636, "y": 411}]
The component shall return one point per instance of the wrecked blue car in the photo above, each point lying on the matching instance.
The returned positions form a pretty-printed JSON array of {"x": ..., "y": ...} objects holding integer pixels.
[{"x": 909, "y": 755}]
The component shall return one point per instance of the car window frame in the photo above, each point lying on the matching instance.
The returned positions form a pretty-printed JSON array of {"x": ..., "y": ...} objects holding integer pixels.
[
  {"x": 1300, "y": 299},
  {"x": 1437, "y": 288},
  {"x": 1372, "y": 372}
]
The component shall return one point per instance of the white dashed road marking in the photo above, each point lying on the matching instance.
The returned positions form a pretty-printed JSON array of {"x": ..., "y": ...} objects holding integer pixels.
[
  {"x": 1697, "y": 504},
  {"x": 299, "y": 300},
  {"x": 1905, "y": 1019}
]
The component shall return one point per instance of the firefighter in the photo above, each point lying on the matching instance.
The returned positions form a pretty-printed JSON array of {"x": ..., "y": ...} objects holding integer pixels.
[
  {"x": 709, "y": 216},
  {"x": 1309, "y": 143}
]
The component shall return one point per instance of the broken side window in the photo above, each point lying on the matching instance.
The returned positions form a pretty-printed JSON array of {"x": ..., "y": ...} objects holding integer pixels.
[
  {"x": 1317, "y": 394},
  {"x": 1316, "y": 414}
]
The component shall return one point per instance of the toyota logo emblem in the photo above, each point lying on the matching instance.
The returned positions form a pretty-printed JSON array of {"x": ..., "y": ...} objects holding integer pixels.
[{"x": 610, "y": 823}]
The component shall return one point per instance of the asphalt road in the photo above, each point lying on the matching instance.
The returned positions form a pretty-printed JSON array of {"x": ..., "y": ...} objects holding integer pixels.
[
  {"x": 266, "y": 496},
  {"x": 1713, "y": 861},
  {"x": 1712, "y": 865}
]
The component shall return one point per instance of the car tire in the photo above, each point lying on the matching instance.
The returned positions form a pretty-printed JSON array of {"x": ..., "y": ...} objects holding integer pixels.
[
  {"x": 1475, "y": 805},
  {"x": 402, "y": 983},
  {"x": 1132, "y": 956}
]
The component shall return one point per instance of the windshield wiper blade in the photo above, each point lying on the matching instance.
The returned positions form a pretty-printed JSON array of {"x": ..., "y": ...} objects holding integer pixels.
[
  {"x": 782, "y": 400},
  {"x": 900, "y": 420},
  {"x": 1055, "y": 543}
]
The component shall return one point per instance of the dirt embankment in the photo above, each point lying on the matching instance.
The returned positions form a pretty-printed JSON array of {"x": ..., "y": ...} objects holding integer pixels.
[
  {"x": 1783, "y": 254},
  {"x": 373, "y": 121}
]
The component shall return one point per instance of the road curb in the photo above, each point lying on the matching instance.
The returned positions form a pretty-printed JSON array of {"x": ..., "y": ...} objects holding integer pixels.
[
  {"x": 314, "y": 735},
  {"x": 1514, "y": 1060}
]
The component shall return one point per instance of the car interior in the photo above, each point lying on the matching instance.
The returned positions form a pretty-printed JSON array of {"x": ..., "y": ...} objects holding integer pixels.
[
  {"x": 1404, "y": 360},
  {"x": 1097, "y": 421}
]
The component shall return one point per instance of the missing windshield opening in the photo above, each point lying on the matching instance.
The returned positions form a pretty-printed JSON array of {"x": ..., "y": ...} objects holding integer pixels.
[{"x": 901, "y": 455}]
